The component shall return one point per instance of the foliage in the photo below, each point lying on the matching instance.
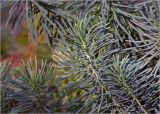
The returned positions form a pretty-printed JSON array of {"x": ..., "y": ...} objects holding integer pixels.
[
  {"x": 109, "y": 52},
  {"x": 33, "y": 91},
  {"x": 5, "y": 91}
]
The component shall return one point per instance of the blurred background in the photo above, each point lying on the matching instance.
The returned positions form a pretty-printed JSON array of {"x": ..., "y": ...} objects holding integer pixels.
[{"x": 16, "y": 45}]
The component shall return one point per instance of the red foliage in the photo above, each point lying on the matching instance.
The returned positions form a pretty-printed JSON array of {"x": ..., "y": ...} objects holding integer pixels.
[{"x": 15, "y": 60}]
